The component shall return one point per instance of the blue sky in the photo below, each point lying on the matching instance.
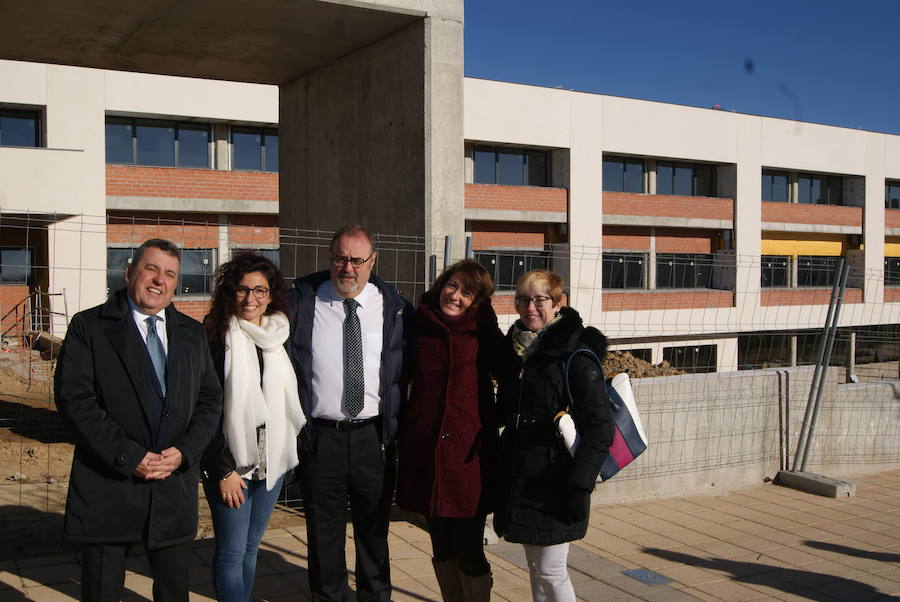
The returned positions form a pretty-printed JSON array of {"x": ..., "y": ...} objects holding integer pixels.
[{"x": 825, "y": 61}]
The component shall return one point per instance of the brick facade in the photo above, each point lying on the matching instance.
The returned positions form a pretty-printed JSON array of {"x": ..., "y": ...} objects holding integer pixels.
[
  {"x": 517, "y": 198},
  {"x": 171, "y": 182},
  {"x": 10, "y": 295},
  {"x": 664, "y": 205},
  {"x": 806, "y": 296},
  {"x": 195, "y": 309},
  {"x": 803, "y": 213},
  {"x": 891, "y": 295},
  {"x": 892, "y": 218},
  {"x": 505, "y": 235},
  {"x": 660, "y": 299}
]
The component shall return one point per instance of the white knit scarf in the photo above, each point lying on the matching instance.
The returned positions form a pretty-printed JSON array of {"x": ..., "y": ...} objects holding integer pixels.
[{"x": 247, "y": 405}]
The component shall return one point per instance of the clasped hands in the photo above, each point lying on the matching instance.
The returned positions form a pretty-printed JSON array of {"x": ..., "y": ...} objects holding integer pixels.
[{"x": 159, "y": 466}]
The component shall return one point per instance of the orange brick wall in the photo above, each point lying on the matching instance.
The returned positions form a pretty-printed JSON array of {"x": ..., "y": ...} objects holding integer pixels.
[
  {"x": 10, "y": 294},
  {"x": 806, "y": 296},
  {"x": 518, "y": 198},
  {"x": 253, "y": 230},
  {"x": 195, "y": 309},
  {"x": 199, "y": 231},
  {"x": 128, "y": 180},
  {"x": 626, "y": 238},
  {"x": 891, "y": 295},
  {"x": 802, "y": 213},
  {"x": 666, "y": 300},
  {"x": 892, "y": 218},
  {"x": 491, "y": 235},
  {"x": 504, "y": 303},
  {"x": 668, "y": 240},
  {"x": 663, "y": 205}
]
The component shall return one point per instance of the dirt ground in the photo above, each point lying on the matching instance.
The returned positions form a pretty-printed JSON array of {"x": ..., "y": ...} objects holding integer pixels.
[{"x": 36, "y": 456}]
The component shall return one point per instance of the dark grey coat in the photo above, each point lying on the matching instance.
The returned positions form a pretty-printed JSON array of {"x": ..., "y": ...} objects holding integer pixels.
[{"x": 104, "y": 388}]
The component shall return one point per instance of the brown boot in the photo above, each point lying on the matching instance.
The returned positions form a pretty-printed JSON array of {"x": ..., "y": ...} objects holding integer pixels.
[
  {"x": 448, "y": 577},
  {"x": 477, "y": 589}
]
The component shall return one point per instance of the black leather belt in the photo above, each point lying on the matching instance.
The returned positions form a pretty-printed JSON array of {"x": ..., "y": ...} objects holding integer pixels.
[
  {"x": 344, "y": 425},
  {"x": 517, "y": 420}
]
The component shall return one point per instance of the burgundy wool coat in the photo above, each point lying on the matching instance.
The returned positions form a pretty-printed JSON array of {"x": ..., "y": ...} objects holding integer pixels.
[{"x": 448, "y": 430}]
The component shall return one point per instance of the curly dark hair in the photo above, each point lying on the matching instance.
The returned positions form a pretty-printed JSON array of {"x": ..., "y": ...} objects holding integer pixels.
[{"x": 228, "y": 277}]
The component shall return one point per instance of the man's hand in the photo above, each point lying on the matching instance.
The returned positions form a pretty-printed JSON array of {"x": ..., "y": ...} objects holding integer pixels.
[
  {"x": 163, "y": 464},
  {"x": 146, "y": 470}
]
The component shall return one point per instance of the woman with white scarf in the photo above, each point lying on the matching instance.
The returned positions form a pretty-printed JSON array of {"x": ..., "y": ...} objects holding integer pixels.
[{"x": 255, "y": 446}]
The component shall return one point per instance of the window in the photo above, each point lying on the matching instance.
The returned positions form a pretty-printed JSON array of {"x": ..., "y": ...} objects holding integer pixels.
[
  {"x": 20, "y": 128},
  {"x": 814, "y": 270},
  {"x": 760, "y": 350},
  {"x": 683, "y": 270},
  {"x": 505, "y": 267},
  {"x": 623, "y": 175},
  {"x": 16, "y": 265},
  {"x": 693, "y": 358},
  {"x": 644, "y": 354},
  {"x": 157, "y": 143},
  {"x": 197, "y": 266},
  {"x": 775, "y": 270},
  {"x": 892, "y": 195},
  {"x": 511, "y": 166},
  {"x": 117, "y": 260},
  {"x": 776, "y": 186},
  {"x": 623, "y": 270},
  {"x": 892, "y": 270},
  {"x": 820, "y": 190},
  {"x": 254, "y": 148},
  {"x": 684, "y": 179}
]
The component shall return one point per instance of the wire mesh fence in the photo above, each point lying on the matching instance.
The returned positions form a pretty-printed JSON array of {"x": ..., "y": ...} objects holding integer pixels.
[{"x": 721, "y": 347}]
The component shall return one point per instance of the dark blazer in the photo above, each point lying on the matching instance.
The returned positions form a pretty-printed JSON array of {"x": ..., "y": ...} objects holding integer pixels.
[
  {"x": 104, "y": 388},
  {"x": 397, "y": 311}
]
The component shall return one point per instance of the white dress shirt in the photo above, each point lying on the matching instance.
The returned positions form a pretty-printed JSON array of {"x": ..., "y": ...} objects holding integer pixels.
[
  {"x": 328, "y": 351},
  {"x": 140, "y": 319}
]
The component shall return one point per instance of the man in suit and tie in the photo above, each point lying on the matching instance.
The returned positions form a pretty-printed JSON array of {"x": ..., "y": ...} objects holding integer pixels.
[
  {"x": 136, "y": 384},
  {"x": 348, "y": 345}
]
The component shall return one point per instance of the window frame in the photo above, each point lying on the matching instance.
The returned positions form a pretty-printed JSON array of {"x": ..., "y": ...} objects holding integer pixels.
[
  {"x": 177, "y": 126},
  {"x": 889, "y": 186},
  {"x": 675, "y": 166},
  {"x": 263, "y": 132},
  {"x": 522, "y": 260},
  {"x": 833, "y": 189},
  {"x": 696, "y": 351},
  {"x": 892, "y": 271},
  {"x": 622, "y": 184},
  {"x": 210, "y": 270},
  {"x": 787, "y": 267},
  {"x": 527, "y": 154},
  {"x": 806, "y": 272},
  {"x": 29, "y": 267},
  {"x": 769, "y": 185},
  {"x": 624, "y": 258},
  {"x": 36, "y": 114},
  {"x": 697, "y": 261}
]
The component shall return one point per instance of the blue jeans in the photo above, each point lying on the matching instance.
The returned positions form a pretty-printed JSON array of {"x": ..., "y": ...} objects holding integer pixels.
[{"x": 238, "y": 533}]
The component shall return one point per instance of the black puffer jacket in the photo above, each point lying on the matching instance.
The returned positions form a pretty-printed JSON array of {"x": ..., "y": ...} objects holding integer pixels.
[{"x": 539, "y": 481}]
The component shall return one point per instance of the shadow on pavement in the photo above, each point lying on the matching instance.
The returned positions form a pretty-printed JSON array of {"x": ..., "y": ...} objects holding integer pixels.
[
  {"x": 804, "y": 584},
  {"x": 848, "y": 551}
]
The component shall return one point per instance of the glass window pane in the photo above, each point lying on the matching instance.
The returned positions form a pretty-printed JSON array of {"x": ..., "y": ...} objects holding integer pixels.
[
  {"x": 485, "y": 166},
  {"x": 804, "y": 187},
  {"x": 155, "y": 145},
  {"x": 613, "y": 175},
  {"x": 18, "y": 129},
  {"x": 634, "y": 176},
  {"x": 684, "y": 180},
  {"x": 665, "y": 176},
  {"x": 537, "y": 168},
  {"x": 118, "y": 142},
  {"x": 117, "y": 261},
  {"x": 196, "y": 268},
  {"x": 835, "y": 191},
  {"x": 245, "y": 151},
  {"x": 704, "y": 175},
  {"x": 270, "y": 144},
  {"x": 15, "y": 266},
  {"x": 815, "y": 191},
  {"x": 193, "y": 146},
  {"x": 780, "y": 188},
  {"x": 511, "y": 164}
]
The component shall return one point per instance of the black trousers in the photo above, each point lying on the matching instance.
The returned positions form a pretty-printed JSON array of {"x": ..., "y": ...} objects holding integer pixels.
[
  {"x": 460, "y": 538},
  {"x": 103, "y": 572},
  {"x": 348, "y": 464}
]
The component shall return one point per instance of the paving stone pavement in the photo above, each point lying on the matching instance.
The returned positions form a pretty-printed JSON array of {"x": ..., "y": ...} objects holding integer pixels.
[{"x": 763, "y": 543}]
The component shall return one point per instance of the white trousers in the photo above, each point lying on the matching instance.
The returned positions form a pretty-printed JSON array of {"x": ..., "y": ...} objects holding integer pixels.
[{"x": 549, "y": 575}]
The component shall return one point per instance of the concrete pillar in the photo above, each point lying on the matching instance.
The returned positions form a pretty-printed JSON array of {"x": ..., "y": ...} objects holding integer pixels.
[
  {"x": 221, "y": 146},
  {"x": 851, "y": 357},
  {"x": 748, "y": 220},
  {"x": 376, "y": 138},
  {"x": 873, "y": 219},
  {"x": 651, "y": 261},
  {"x": 793, "y": 343},
  {"x": 650, "y": 167}
]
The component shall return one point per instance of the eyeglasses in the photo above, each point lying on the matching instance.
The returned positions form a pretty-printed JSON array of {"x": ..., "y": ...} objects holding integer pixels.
[
  {"x": 340, "y": 261},
  {"x": 538, "y": 300},
  {"x": 259, "y": 292}
]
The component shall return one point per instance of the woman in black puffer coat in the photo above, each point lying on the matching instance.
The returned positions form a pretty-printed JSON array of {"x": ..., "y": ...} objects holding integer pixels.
[{"x": 543, "y": 492}]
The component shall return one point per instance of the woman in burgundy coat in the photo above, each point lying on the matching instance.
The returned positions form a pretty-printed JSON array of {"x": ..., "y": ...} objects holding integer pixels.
[{"x": 448, "y": 433}]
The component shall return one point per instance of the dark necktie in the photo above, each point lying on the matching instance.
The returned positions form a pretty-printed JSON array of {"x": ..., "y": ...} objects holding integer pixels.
[
  {"x": 157, "y": 353},
  {"x": 354, "y": 380}
]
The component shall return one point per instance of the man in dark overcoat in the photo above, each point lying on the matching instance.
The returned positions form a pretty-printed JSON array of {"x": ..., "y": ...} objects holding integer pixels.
[{"x": 136, "y": 384}]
